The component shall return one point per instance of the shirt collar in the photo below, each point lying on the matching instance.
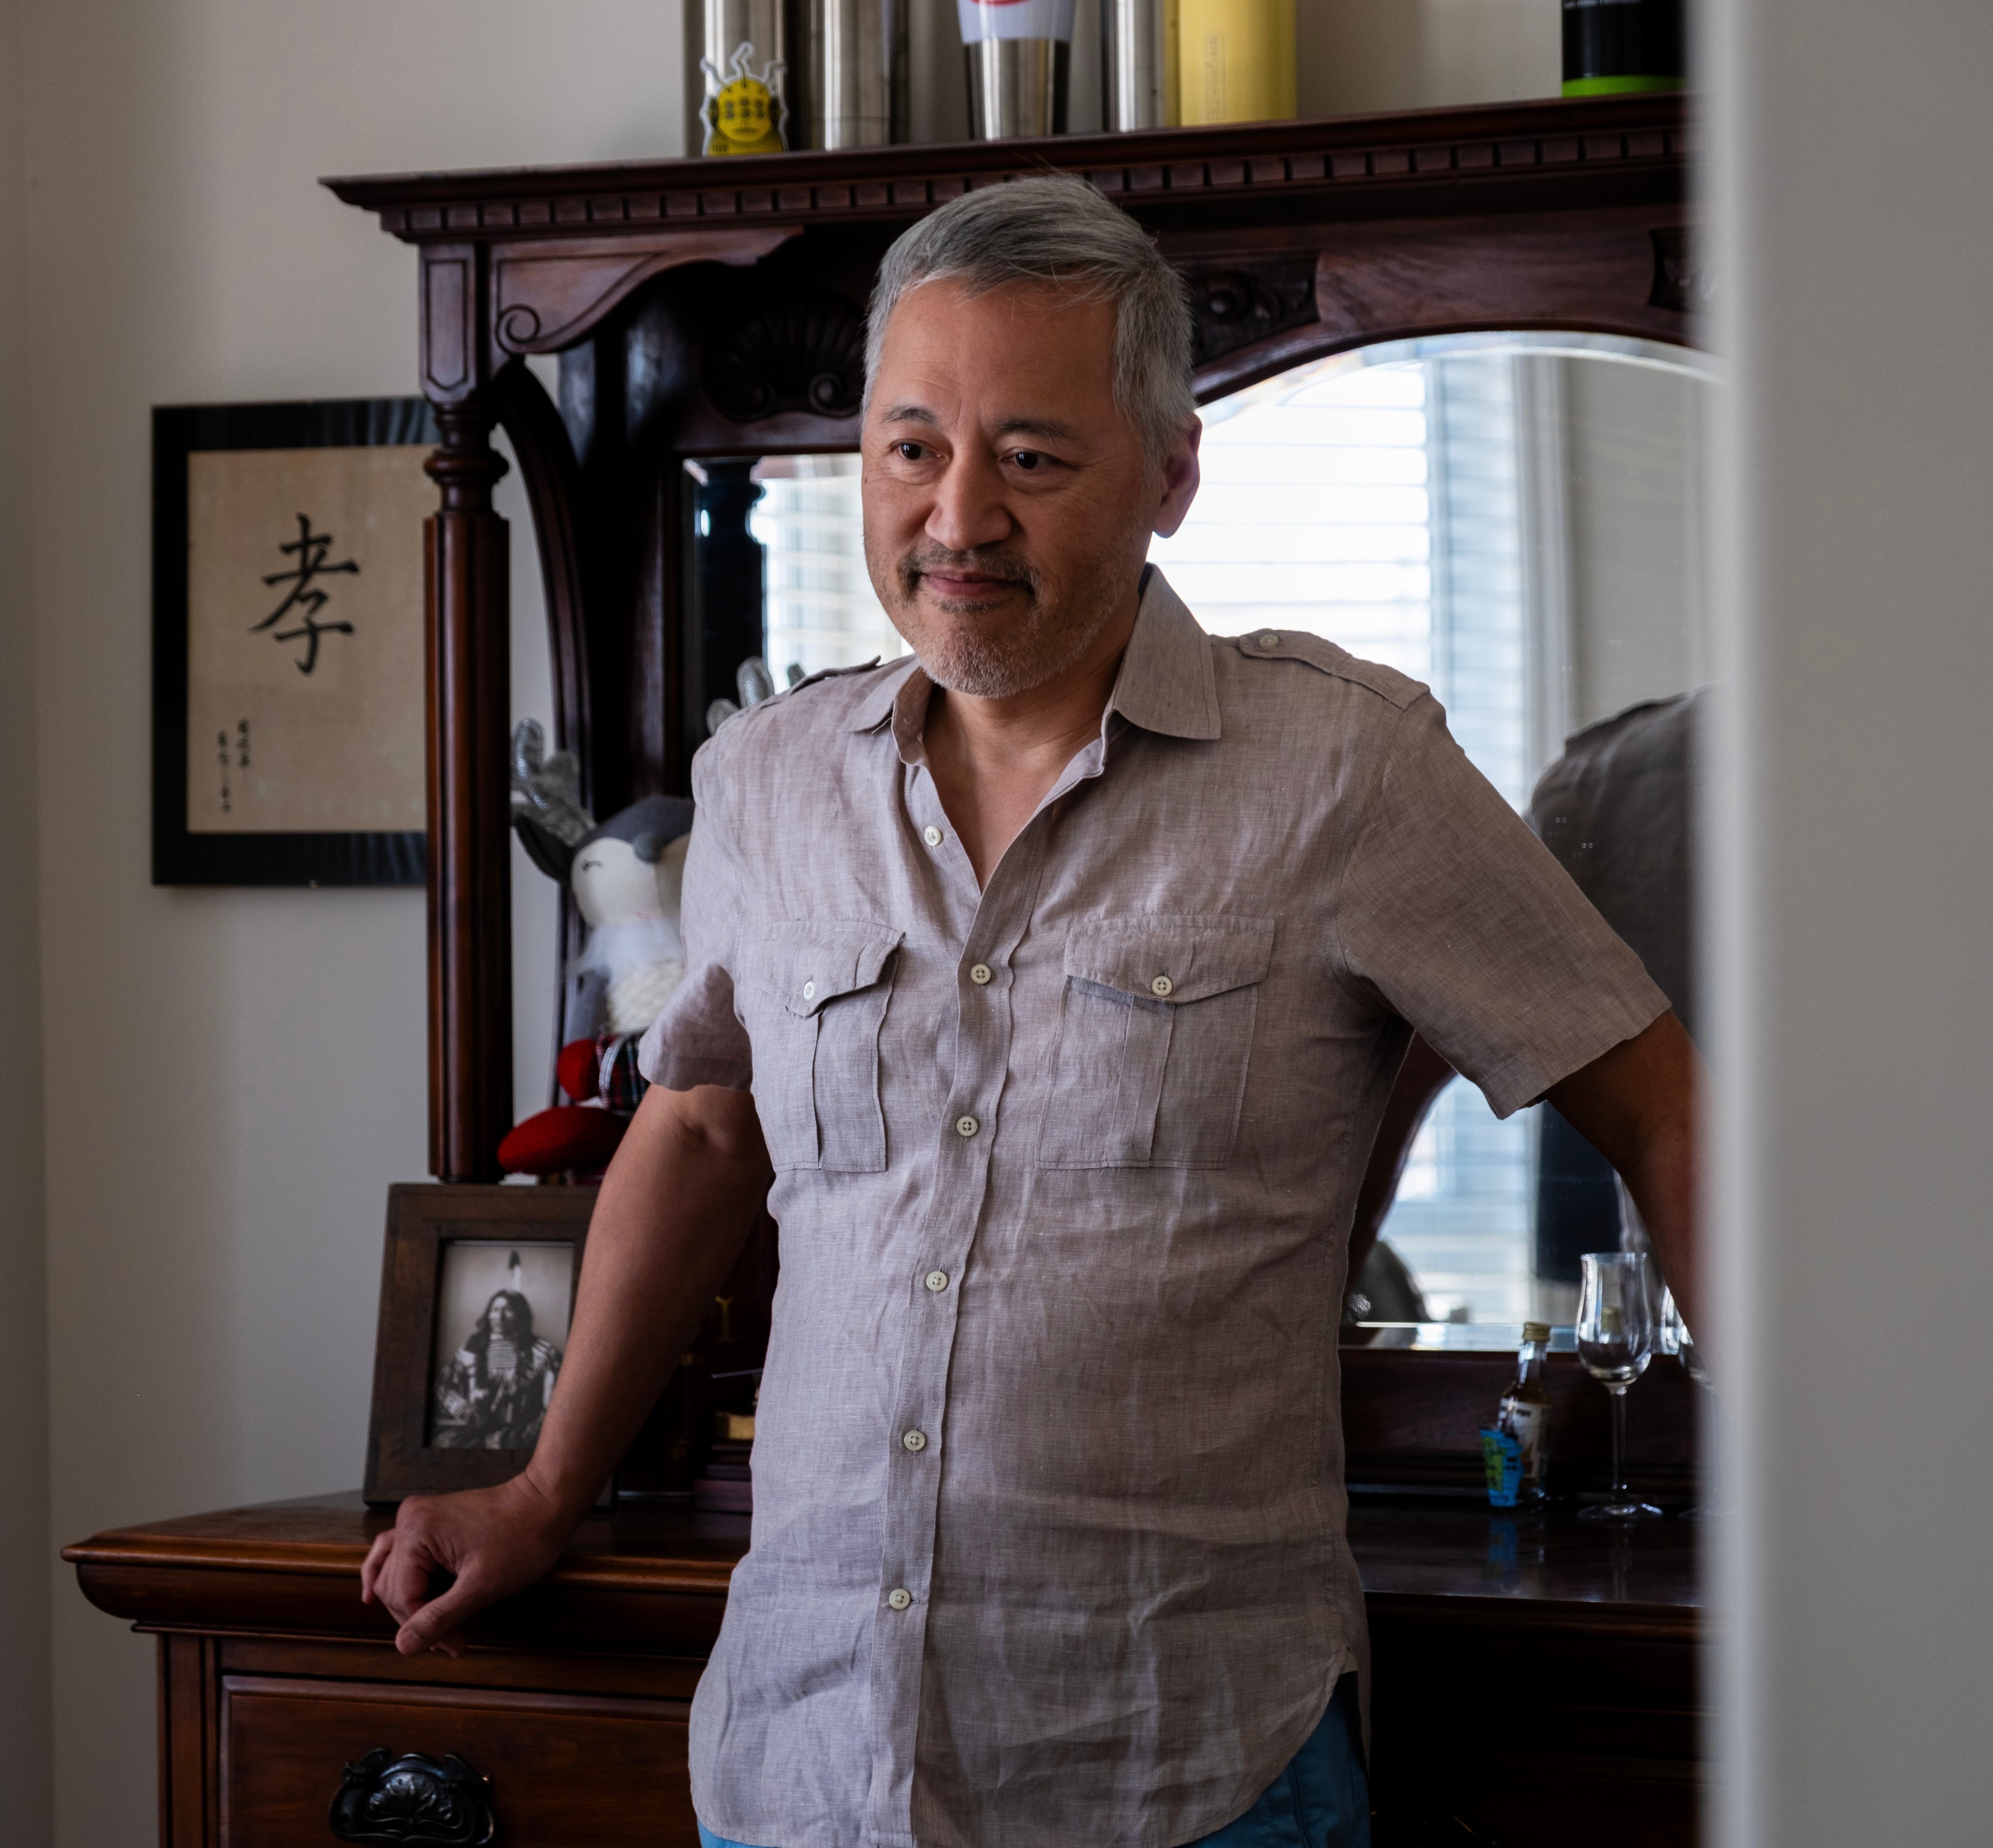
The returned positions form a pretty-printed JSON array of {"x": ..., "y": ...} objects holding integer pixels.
[{"x": 1167, "y": 683}]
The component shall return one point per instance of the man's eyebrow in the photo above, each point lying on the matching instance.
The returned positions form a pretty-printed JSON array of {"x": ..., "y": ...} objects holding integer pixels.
[
  {"x": 1046, "y": 429},
  {"x": 1051, "y": 429}
]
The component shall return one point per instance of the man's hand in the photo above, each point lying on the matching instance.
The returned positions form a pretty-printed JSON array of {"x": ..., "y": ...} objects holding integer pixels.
[
  {"x": 494, "y": 1542},
  {"x": 676, "y": 1206}
]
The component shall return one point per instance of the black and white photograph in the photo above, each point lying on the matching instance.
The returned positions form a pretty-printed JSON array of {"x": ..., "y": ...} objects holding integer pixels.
[
  {"x": 477, "y": 1287},
  {"x": 501, "y": 1325}
]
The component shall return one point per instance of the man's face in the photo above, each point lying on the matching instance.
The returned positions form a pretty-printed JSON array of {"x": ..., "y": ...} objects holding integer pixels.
[
  {"x": 1008, "y": 504},
  {"x": 504, "y": 1317}
]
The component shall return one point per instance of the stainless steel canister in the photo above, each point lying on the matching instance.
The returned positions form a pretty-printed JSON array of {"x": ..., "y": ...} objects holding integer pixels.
[
  {"x": 1137, "y": 63},
  {"x": 744, "y": 58},
  {"x": 852, "y": 90},
  {"x": 1020, "y": 64}
]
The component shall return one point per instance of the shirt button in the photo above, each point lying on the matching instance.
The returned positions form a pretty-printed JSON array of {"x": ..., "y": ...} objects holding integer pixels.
[
  {"x": 931, "y": 835},
  {"x": 809, "y": 991},
  {"x": 915, "y": 1440},
  {"x": 979, "y": 975},
  {"x": 899, "y": 1597},
  {"x": 966, "y": 1126},
  {"x": 937, "y": 1280},
  {"x": 1160, "y": 987},
  {"x": 1269, "y": 640}
]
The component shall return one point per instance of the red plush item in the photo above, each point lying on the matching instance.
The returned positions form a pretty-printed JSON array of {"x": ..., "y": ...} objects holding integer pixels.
[
  {"x": 565, "y": 1139},
  {"x": 577, "y": 1070}
]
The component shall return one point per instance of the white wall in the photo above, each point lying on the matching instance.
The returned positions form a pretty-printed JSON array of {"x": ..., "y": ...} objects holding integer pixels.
[
  {"x": 1856, "y": 885},
  {"x": 25, "y": 1729},
  {"x": 1358, "y": 56},
  {"x": 232, "y": 1077}
]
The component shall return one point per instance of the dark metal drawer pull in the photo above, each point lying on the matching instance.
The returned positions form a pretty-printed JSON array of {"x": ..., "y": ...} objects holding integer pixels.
[{"x": 412, "y": 1802}]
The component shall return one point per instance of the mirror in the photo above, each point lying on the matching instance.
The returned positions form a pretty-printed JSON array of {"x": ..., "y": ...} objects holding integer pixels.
[
  {"x": 820, "y": 610},
  {"x": 1514, "y": 519}
]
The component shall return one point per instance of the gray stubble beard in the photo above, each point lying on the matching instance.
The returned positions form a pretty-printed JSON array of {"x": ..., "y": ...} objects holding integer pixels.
[{"x": 1022, "y": 654}]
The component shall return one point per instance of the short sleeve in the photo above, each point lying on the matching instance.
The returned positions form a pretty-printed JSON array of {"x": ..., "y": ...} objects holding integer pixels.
[
  {"x": 699, "y": 1038},
  {"x": 1465, "y": 924}
]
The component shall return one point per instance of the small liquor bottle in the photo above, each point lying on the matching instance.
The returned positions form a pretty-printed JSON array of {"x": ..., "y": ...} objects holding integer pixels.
[
  {"x": 1526, "y": 1411},
  {"x": 1613, "y": 46}
]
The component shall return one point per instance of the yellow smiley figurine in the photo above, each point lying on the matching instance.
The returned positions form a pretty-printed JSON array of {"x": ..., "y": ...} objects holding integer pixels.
[{"x": 743, "y": 113}]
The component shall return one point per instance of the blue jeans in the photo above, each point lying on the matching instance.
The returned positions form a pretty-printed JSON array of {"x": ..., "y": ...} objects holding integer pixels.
[{"x": 1321, "y": 1800}]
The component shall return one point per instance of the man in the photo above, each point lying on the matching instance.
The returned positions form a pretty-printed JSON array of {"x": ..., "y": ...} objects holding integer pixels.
[
  {"x": 494, "y": 1391},
  {"x": 1071, "y": 965}
]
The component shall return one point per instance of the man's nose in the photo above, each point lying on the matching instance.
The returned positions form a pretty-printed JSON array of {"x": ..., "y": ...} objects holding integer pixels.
[{"x": 969, "y": 508}]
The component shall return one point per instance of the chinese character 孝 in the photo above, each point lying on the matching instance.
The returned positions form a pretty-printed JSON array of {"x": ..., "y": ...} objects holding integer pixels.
[{"x": 304, "y": 596}]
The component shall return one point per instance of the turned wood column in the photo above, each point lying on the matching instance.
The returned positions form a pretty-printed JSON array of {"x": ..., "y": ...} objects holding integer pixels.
[{"x": 469, "y": 701}]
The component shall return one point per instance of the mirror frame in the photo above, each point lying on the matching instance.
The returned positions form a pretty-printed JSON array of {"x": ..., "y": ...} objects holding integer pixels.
[
  {"x": 705, "y": 309},
  {"x": 701, "y": 309}
]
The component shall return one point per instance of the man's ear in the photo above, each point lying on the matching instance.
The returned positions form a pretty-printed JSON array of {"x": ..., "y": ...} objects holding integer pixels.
[{"x": 1180, "y": 478}]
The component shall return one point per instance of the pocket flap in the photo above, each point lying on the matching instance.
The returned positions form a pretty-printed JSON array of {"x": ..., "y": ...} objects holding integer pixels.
[
  {"x": 805, "y": 965},
  {"x": 1170, "y": 960}
]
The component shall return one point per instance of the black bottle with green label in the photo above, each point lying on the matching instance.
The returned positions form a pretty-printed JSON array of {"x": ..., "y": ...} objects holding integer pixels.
[{"x": 1613, "y": 46}]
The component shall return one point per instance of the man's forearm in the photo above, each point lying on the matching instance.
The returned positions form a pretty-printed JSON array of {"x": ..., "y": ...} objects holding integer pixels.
[
  {"x": 676, "y": 1207},
  {"x": 1638, "y": 1105},
  {"x": 1662, "y": 1183}
]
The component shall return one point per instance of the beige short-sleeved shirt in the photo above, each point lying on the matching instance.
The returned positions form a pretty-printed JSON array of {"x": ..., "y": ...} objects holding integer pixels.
[{"x": 1049, "y": 1541}]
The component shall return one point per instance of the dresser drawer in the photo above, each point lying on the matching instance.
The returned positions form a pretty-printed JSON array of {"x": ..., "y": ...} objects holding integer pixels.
[{"x": 557, "y": 1771}]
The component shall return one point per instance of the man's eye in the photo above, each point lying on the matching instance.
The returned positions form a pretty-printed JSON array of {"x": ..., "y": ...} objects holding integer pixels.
[
  {"x": 911, "y": 452},
  {"x": 1027, "y": 459}
]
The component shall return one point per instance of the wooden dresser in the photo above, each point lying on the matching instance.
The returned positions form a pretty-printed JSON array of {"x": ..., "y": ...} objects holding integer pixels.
[{"x": 1532, "y": 1674}]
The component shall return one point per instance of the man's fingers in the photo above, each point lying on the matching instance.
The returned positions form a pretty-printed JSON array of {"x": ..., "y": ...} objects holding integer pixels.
[
  {"x": 435, "y": 1625},
  {"x": 371, "y": 1568},
  {"x": 401, "y": 1583}
]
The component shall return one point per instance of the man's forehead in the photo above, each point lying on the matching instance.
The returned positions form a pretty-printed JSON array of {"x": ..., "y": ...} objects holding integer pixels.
[
  {"x": 1033, "y": 367},
  {"x": 927, "y": 323}
]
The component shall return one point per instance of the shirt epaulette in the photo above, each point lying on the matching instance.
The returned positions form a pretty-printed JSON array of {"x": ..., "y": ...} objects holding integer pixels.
[
  {"x": 762, "y": 707},
  {"x": 833, "y": 673},
  {"x": 1295, "y": 644}
]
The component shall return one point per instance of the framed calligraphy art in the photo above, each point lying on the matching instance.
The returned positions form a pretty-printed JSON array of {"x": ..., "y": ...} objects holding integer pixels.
[{"x": 288, "y": 701}]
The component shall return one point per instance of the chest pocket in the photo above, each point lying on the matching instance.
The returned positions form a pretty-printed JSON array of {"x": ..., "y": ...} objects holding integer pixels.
[
  {"x": 1155, "y": 1036},
  {"x": 823, "y": 991}
]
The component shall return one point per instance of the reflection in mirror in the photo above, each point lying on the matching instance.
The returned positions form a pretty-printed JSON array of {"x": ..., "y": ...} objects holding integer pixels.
[
  {"x": 1514, "y": 520},
  {"x": 536, "y": 947},
  {"x": 820, "y": 610}
]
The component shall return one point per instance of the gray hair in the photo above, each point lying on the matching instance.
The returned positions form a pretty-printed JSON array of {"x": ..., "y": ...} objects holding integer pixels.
[{"x": 1056, "y": 230}]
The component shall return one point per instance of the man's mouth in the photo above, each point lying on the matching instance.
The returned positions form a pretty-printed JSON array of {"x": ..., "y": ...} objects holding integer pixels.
[{"x": 968, "y": 586}]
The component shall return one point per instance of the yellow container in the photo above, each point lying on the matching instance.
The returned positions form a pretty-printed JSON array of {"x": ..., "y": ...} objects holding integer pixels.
[{"x": 1236, "y": 60}]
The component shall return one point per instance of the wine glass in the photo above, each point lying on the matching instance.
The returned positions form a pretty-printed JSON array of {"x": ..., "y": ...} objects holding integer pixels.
[{"x": 1617, "y": 1328}]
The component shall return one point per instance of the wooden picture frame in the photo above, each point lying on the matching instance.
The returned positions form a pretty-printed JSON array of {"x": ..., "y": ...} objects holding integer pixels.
[
  {"x": 418, "y": 1340},
  {"x": 273, "y": 746}
]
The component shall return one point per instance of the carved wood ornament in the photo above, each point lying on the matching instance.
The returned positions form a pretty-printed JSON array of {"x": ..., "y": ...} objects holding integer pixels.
[
  {"x": 413, "y": 1801},
  {"x": 714, "y": 309}
]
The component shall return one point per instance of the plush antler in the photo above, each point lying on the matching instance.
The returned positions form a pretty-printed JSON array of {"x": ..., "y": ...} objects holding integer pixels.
[
  {"x": 549, "y": 787},
  {"x": 753, "y": 682}
]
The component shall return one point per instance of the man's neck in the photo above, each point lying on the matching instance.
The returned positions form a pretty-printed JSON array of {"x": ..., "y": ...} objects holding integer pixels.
[{"x": 993, "y": 761}]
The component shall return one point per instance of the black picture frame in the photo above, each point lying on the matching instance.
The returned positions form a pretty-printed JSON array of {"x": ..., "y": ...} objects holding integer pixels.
[
  {"x": 423, "y": 1218},
  {"x": 182, "y": 857}
]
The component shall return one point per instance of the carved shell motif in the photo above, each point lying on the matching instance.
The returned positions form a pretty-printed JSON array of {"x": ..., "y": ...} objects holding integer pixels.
[
  {"x": 413, "y": 1800},
  {"x": 1231, "y": 308},
  {"x": 806, "y": 353}
]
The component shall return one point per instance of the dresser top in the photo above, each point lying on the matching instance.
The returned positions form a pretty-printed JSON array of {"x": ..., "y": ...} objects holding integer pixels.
[{"x": 654, "y": 1579}]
